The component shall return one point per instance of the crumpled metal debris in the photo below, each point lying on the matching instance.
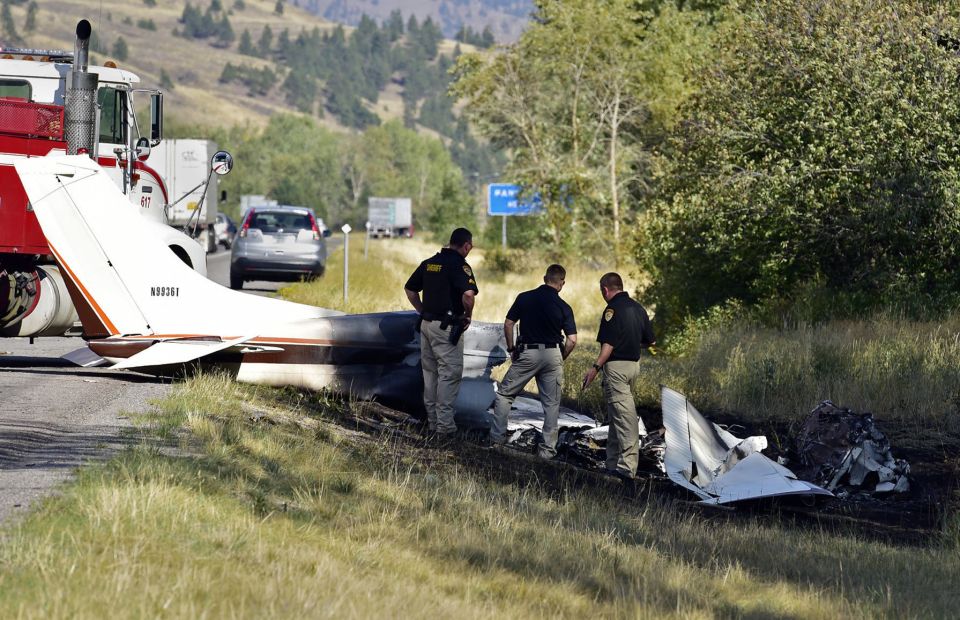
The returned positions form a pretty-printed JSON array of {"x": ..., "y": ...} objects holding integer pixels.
[
  {"x": 716, "y": 465},
  {"x": 844, "y": 451}
]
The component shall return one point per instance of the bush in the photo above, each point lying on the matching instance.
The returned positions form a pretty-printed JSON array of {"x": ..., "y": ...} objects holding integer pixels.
[
  {"x": 499, "y": 262},
  {"x": 821, "y": 153}
]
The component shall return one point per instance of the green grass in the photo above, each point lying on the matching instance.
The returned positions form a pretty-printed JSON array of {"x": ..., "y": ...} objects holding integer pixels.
[{"x": 300, "y": 517}]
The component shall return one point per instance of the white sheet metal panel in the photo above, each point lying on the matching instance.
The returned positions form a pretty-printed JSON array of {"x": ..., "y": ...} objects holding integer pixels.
[
  {"x": 678, "y": 457},
  {"x": 528, "y": 413},
  {"x": 698, "y": 453},
  {"x": 757, "y": 476}
]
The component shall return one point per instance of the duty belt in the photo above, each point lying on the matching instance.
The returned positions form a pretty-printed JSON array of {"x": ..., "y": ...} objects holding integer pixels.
[
  {"x": 538, "y": 345},
  {"x": 435, "y": 316}
]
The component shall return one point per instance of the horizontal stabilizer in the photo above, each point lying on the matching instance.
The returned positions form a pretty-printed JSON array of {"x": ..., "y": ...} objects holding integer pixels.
[
  {"x": 178, "y": 352},
  {"x": 85, "y": 357}
]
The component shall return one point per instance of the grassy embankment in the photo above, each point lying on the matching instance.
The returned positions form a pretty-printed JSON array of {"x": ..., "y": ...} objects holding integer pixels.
[{"x": 293, "y": 515}]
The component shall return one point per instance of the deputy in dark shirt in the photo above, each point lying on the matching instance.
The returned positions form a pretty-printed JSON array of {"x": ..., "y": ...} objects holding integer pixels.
[
  {"x": 625, "y": 330},
  {"x": 448, "y": 286},
  {"x": 548, "y": 333}
]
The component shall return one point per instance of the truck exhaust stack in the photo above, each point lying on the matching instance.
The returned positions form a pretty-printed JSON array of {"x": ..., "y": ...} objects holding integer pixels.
[{"x": 80, "y": 105}]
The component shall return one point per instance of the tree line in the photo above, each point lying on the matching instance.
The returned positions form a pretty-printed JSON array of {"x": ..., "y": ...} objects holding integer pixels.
[
  {"x": 334, "y": 73},
  {"x": 749, "y": 154},
  {"x": 296, "y": 161}
]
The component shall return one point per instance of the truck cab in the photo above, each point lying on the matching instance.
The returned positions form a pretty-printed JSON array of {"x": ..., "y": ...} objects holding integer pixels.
[{"x": 36, "y": 112}]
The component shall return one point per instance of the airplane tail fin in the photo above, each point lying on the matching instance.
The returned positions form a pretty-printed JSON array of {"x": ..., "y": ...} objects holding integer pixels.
[{"x": 122, "y": 278}]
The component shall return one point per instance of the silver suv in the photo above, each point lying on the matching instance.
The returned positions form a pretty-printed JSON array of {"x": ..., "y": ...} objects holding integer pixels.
[{"x": 279, "y": 244}]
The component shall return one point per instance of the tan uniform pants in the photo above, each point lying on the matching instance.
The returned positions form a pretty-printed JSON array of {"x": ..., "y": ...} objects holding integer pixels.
[
  {"x": 442, "y": 370},
  {"x": 626, "y": 427},
  {"x": 547, "y": 366}
]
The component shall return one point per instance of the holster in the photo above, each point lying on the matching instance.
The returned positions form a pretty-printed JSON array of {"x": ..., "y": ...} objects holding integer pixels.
[{"x": 456, "y": 330}]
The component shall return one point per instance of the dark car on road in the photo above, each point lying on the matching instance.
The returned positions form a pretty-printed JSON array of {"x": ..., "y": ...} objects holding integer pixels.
[{"x": 278, "y": 244}]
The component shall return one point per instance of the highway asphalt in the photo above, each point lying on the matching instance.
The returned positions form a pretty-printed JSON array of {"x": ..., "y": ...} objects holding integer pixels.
[{"x": 56, "y": 416}]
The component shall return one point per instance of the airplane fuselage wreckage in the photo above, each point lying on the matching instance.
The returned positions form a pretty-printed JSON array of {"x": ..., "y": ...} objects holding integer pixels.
[{"x": 144, "y": 309}]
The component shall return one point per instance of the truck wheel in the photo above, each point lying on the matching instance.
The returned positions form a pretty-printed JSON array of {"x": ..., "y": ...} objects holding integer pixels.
[{"x": 236, "y": 281}]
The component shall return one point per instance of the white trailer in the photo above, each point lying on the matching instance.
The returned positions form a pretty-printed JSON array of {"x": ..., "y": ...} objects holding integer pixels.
[
  {"x": 390, "y": 217},
  {"x": 185, "y": 164}
]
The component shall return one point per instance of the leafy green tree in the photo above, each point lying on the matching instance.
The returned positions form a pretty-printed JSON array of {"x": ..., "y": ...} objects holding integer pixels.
[
  {"x": 428, "y": 38},
  {"x": 225, "y": 34},
  {"x": 300, "y": 91},
  {"x": 229, "y": 73},
  {"x": 394, "y": 25},
  {"x": 266, "y": 41},
  {"x": 31, "y": 21},
  {"x": 7, "y": 25},
  {"x": 486, "y": 38},
  {"x": 400, "y": 162},
  {"x": 150, "y": 3},
  {"x": 292, "y": 159},
  {"x": 278, "y": 7},
  {"x": 246, "y": 44},
  {"x": 573, "y": 100},
  {"x": 166, "y": 83},
  {"x": 120, "y": 50},
  {"x": 820, "y": 152},
  {"x": 283, "y": 43}
]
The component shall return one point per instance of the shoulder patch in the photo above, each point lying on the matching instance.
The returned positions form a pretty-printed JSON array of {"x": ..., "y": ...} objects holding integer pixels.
[
  {"x": 608, "y": 314},
  {"x": 467, "y": 270}
]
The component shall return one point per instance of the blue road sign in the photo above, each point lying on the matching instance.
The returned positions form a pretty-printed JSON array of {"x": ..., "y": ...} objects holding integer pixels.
[{"x": 502, "y": 199}]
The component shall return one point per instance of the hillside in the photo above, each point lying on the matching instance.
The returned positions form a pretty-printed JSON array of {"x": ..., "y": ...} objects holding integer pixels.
[
  {"x": 505, "y": 18},
  {"x": 195, "y": 93}
]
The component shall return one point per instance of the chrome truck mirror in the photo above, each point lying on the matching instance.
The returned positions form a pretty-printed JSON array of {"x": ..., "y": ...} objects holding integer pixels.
[
  {"x": 142, "y": 149},
  {"x": 221, "y": 162}
]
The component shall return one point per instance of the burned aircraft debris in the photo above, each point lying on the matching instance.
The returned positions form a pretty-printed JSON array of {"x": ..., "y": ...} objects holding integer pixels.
[
  {"x": 694, "y": 453},
  {"x": 845, "y": 452}
]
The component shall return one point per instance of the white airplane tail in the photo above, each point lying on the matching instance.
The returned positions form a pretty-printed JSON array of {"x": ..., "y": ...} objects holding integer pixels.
[{"x": 122, "y": 280}]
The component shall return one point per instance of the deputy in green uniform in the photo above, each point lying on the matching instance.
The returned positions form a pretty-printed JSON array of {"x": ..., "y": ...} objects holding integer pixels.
[
  {"x": 449, "y": 288},
  {"x": 548, "y": 333},
  {"x": 625, "y": 330}
]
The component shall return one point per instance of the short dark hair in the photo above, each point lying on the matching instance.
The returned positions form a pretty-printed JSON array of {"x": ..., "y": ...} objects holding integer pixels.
[
  {"x": 612, "y": 281},
  {"x": 459, "y": 237},
  {"x": 555, "y": 274}
]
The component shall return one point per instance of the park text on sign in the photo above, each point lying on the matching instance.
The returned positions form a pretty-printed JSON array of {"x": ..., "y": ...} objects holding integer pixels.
[{"x": 504, "y": 199}]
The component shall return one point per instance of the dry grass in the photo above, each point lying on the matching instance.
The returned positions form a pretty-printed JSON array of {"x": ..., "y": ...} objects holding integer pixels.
[
  {"x": 269, "y": 520},
  {"x": 376, "y": 282},
  {"x": 906, "y": 372}
]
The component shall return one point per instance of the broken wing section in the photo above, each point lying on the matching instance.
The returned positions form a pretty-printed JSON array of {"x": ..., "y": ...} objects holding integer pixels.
[{"x": 717, "y": 466}]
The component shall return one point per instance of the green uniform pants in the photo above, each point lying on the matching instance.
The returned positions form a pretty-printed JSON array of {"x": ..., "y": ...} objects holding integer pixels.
[
  {"x": 442, "y": 371},
  {"x": 626, "y": 427},
  {"x": 547, "y": 366}
]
